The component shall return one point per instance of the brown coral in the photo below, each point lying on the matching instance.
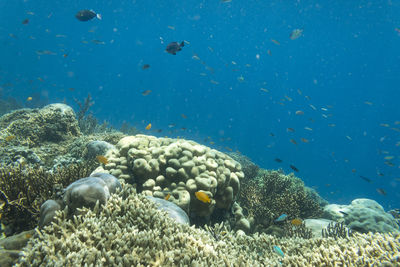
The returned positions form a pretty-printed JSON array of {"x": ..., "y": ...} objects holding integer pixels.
[{"x": 272, "y": 193}]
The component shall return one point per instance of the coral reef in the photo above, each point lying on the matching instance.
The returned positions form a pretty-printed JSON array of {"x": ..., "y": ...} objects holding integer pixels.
[
  {"x": 23, "y": 190},
  {"x": 272, "y": 193},
  {"x": 52, "y": 123},
  {"x": 180, "y": 168},
  {"x": 130, "y": 231},
  {"x": 336, "y": 230},
  {"x": 249, "y": 169},
  {"x": 362, "y": 215}
]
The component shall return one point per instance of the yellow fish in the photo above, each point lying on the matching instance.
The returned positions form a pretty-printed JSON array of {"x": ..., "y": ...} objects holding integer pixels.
[
  {"x": 148, "y": 127},
  {"x": 203, "y": 197},
  {"x": 296, "y": 222},
  {"x": 102, "y": 159},
  {"x": 167, "y": 196},
  {"x": 29, "y": 98},
  {"x": 10, "y": 138}
]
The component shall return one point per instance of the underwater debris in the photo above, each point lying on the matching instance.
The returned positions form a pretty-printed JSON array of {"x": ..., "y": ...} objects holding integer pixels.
[{"x": 336, "y": 230}]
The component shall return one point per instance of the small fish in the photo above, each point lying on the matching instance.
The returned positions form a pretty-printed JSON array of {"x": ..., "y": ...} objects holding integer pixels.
[
  {"x": 146, "y": 92},
  {"x": 171, "y": 27},
  {"x": 299, "y": 112},
  {"x": 65, "y": 55},
  {"x": 145, "y": 66},
  {"x": 344, "y": 213},
  {"x": 171, "y": 125},
  {"x": 86, "y": 15},
  {"x": 278, "y": 160},
  {"x": 388, "y": 157},
  {"x": 148, "y": 127},
  {"x": 275, "y": 42},
  {"x": 281, "y": 218},
  {"x": 10, "y": 138},
  {"x": 98, "y": 42},
  {"x": 278, "y": 251},
  {"x": 203, "y": 197},
  {"x": 174, "y": 47},
  {"x": 102, "y": 159},
  {"x": 348, "y": 137},
  {"x": 296, "y": 33},
  {"x": 226, "y": 1},
  {"x": 313, "y": 107},
  {"x": 29, "y": 98},
  {"x": 308, "y": 128},
  {"x": 294, "y": 168},
  {"x": 296, "y": 222},
  {"x": 293, "y": 141},
  {"x": 290, "y": 130},
  {"x": 366, "y": 179},
  {"x": 167, "y": 196},
  {"x": 368, "y": 103},
  {"x": 25, "y": 21},
  {"x": 391, "y": 164},
  {"x": 183, "y": 116},
  {"x": 265, "y": 90},
  {"x": 381, "y": 191},
  {"x": 304, "y": 140}
]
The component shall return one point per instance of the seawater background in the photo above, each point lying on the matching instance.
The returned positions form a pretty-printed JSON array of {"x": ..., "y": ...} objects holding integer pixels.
[{"x": 348, "y": 54}]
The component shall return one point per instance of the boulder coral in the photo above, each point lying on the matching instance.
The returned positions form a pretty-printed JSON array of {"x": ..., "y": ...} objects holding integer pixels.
[
  {"x": 130, "y": 231},
  {"x": 178, "y": 168}
]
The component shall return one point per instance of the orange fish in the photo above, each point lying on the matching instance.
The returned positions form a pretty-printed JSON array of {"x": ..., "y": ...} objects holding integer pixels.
[
  {"x": 304, "y": 140},
  {"x": 9, "y": 138},
  {"x": 102, "y": 159},
  {"x": 148, "y": 127},
  {"x": 29, "y": 98},
  {"x": 167, "y": 196},
  {"x": 293, "y": 141},
  {"x": 275, "y": 42},
  {"x": 296, "y": 222},
  {"x": 203, "y": 197}
]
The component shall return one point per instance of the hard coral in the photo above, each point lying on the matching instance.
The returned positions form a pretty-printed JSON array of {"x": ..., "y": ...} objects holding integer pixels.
[
  {"x": 272, "y": 193},
  {"x": 130, "y": 231},
  {"x": 23, "y": 191}
]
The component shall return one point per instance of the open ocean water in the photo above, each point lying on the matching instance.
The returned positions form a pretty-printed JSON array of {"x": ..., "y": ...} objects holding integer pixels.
[{"x": 312, "y": 83}]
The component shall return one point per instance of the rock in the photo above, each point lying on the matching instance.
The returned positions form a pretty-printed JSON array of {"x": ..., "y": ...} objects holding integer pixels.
[
  {"x": 173, "y": 210},
  {"x": 48, "y": 211},
  {"x": 95, "y": 148},
  {"x": 111, "y": 181}
]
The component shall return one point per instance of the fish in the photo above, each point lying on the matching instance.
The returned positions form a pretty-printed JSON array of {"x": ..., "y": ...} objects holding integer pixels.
[
  {"x": 293, "y": 141},
  {"x": 102, "y": 159},
  {"x": 304, "y": 140},
  {"x": 299, "y": 112},
  {"x": 145, "y": 66},
  {"x": 313, "y": 107},
  {"x": 381, "y": 191},
  {"x": 308, "y": 128},
  {"x": 275, "y": 42},
  {"x": 388, "y": 157},
  {"x": 368, "y": 103},
  {"x": 45, "y": 52},
  {"x": 278, "y": 160},
  {"x": 65, "y": 55},
  {"x": 146, "y": 92},
  {"x": 183, "y": 116},
  {"x": 98, "y": 42},
  {"x": 203, "y": 197},
  {"x": 167, "y": 196},
  {"x": 25, "y": 21},
  {"x": 366, "y": 179},
  {"x": 290, "y": 130},
  {"x": 281, "y": 218},
  {"x": 174, "y": 47},
  {"x": 269, "y": 52},
  {"x": 265, "y": 90},
  {"x": 296, "y": 222},
  {"x": 296, "y": 33},
  {"x": 344, "y": 213},
  {"x": 278, "y": 251},
  {"x": 86, "y": 15},
  {"x": 294, "y": 168},
  {"x": 148, "y": 127},
  {"x": 171, "y": 125},
  {"x": 29, "y": 98},
  {"x": 10, "y": 138}
]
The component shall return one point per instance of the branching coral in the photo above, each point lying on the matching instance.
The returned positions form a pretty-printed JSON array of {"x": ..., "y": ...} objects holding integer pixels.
[
  {"x": 23, "y": 190},
  {"x": 336, "y": 230},
  {"x": 272, "y": 193}
]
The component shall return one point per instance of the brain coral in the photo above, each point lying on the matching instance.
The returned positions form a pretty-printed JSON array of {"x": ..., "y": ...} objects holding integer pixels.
[
  {"x": 178, "y": 168},
  {"x": 130, "y": 231}
]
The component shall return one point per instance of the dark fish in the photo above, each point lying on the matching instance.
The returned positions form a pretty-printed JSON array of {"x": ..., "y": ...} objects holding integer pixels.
[
  {"x": 86, "y": 15},
  {"x": 381, "y": 191},
  {"x": 344, "y": 213},
  {"x": 174, "y": 47},
  {"x": 366, "y": 179},
  {"x": 145, "y": 66},
  {"x": 294, "y": 168},
  {"x": 25, "y": 21},
  {"x": 278, "y": 160}
]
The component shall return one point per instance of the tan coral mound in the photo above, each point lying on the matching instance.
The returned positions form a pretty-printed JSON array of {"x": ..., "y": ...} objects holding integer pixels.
[
  {"x": 129, "y": 231},
  {"x": 178, "y": 167}
]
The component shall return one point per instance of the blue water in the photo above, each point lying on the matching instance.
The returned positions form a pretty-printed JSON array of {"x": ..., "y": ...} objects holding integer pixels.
[{"x": 348, "y": 55}]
